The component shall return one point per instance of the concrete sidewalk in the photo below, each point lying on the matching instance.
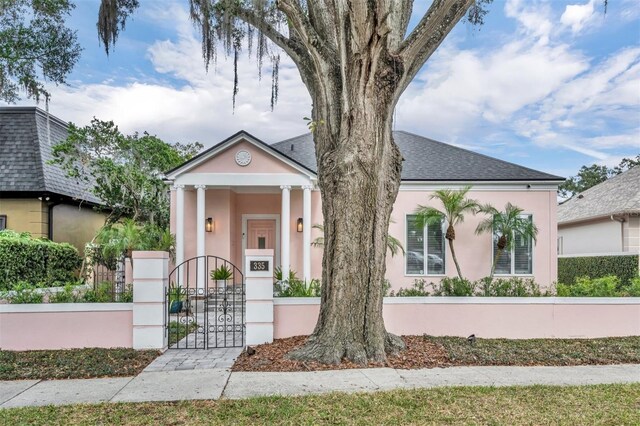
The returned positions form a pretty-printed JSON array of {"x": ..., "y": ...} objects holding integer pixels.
[{"x": 216, "y": 383}]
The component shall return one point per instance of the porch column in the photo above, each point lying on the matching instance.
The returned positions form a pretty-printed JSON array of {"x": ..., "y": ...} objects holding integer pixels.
[
  {"x": 306, "y": 232},
  {"x": 179, "y": 230},
  {"x": 285, "y": 226},
  {"x": 200, "y": 250}
]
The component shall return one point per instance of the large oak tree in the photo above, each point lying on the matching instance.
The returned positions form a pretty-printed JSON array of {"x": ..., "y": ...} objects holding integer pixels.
[{"x": 355, "y": 58}]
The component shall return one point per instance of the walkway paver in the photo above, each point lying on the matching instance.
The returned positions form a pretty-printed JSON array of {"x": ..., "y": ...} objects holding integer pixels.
[
  {"x": 215, "y": 383},
  {"x": 194, "y": 359}
]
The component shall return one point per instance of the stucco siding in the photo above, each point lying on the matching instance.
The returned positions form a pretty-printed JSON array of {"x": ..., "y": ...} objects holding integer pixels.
[
  {"x": 597, "y": 236},
  {"x": 76, "y": 225},
  {"x": 26, "y": 215}
]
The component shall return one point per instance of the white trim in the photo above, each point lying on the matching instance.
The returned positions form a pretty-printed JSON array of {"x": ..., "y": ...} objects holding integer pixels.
[
  {"x": 243, "y": 179},
  {"x": 477, "y": 300},
  {"x": 296, "y": 300},
  {"x": 481, "y": 185},
  {"x": 244, "y": 233},
  {"x": 65, "y": 307},
  {"x": 228, "y": 144}
]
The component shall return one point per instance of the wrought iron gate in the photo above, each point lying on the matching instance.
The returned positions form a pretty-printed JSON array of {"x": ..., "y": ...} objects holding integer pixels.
[{"x": 205, "y": 304}]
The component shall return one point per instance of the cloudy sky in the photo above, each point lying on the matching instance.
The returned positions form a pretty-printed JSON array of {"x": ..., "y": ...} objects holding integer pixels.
[{"x": 551, "y": 85}]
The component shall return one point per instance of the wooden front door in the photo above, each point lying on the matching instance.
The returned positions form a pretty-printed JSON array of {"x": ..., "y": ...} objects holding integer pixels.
[{"x": 261, "y": 234}]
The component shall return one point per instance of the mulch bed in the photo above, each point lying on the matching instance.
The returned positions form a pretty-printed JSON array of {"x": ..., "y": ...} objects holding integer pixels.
[
  {"x": 74, "y": 363},
  {"x": 420, "y": 353},
  {"x": 431, "y": 352}
]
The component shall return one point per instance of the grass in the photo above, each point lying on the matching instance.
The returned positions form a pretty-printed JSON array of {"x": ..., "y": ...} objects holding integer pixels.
[
  {"x": 73, "y": 363},
  {"x": 612, "y": 350},
  {"x": 584, "y": 405}
]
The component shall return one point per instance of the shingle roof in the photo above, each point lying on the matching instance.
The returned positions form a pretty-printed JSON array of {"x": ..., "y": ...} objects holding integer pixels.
[
  {"x": 618, "y": 195},
  {"x": 429, "y": 160},
  {"x": 26, "y": 139}
]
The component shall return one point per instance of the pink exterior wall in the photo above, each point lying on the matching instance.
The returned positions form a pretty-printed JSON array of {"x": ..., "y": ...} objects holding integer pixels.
[
  {"x": 486, "y": 317},
  {"x": 20, "y": 331},
  {"x": 261, "y": 162},
  {"x": 474, "y": 252}
]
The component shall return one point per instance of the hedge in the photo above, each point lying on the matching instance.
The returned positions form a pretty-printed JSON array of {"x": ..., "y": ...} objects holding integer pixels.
[
  {"x": 37, "y": 261},
  {"x": 625, "y": 267}
]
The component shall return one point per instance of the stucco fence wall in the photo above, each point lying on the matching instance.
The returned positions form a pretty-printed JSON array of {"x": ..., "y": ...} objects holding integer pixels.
[
  {"x": 66, "y": 326},
  {"x": 488, "y": 317}
]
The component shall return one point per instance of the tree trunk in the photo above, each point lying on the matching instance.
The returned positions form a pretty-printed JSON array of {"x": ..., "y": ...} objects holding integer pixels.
[
  {"x": 455, "y": 258},
  {"x": 359, "y": 169}
]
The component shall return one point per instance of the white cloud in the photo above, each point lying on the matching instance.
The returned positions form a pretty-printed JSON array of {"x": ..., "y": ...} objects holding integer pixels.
[{"x": 577, "y": 16}]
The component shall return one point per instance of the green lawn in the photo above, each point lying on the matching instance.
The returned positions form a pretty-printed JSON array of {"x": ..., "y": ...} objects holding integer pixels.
[
  {"x": 73, "y": 363},
  {"x": 611, "y": 350},
  {"x": 537, "y": 405}
]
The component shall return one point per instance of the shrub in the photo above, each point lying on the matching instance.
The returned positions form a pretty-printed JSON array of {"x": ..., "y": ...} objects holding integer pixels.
[
  {"x": 586, "y": 287},
  {"x": 23, "y": 292},
  {"x": 38, "y": 262},
  {"x": 454, "y": 287},
  {"x": 102, "y": 293},
  {"x": 507, "y": 287},
  {"x": 624, "y": 267},
  {"x": 297, "y": 288},
  {"x": 634, "y": 288},
  {"x": 69, "y": 294},
  {"x": 417, "y": 289}
]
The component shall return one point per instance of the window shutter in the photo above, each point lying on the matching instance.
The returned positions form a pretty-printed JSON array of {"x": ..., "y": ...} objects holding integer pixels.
[
  {"x": 435, "y": 249},
  {"x": 414, "y": 256},
  {"x": 503, "y": 265},
  {"x": 523, "y": 254}
]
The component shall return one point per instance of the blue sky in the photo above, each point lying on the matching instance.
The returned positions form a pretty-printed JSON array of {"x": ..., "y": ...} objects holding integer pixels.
[{"x": 551, "y": 85}]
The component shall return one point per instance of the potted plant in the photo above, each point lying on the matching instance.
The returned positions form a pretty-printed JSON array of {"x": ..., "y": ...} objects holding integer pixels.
[
  {"x": 221, "y": 275},
  {"x": 176, "y": 297}
]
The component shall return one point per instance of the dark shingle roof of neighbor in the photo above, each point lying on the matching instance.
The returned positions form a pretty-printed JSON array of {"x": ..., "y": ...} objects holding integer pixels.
[
  {"x": 618, "y": 195},
  {"x": 27, "y": 136},
  {"x": 429, "y": 160}
]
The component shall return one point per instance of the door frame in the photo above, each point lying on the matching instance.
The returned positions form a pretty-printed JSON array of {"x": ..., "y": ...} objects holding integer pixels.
[{"x": 275, "y": 217}]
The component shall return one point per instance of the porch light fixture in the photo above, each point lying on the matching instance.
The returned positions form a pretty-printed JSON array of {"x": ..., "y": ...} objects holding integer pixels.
[
  {"x": 209, "y": 225},
  {"x": 299, "y": 225}
]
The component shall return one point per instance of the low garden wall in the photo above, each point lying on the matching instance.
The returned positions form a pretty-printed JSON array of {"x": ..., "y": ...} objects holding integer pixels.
[
  {"x": 486, "y": 317},
  {"x": 66, "y": 326}
]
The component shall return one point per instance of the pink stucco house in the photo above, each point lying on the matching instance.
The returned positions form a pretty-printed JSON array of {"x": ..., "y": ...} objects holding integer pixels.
[{"x": 245, "y": 194}]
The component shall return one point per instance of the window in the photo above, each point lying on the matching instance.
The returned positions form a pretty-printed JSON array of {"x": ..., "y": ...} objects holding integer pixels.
[
  {"x": 424, "y": 249},
  {"x": 518, "y": 261},
  {"x": 3, "y": 221}
]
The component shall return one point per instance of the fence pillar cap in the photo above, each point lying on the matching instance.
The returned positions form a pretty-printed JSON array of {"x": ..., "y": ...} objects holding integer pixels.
[
  {"x": 150, "y": 255},
  {"x": 258, "y": 252}
]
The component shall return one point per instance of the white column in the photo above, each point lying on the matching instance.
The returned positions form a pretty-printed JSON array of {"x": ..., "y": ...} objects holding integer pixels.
[
  {"x": 200, "y": 247},
  {"x": 285, "y": 228},
  {"x": 306, "y": 232},
  {"x": 179, "y": 230}
]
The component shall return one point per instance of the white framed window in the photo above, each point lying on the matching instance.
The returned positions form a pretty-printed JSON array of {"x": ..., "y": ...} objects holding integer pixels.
[
  {"x": 3, "y": 222},
  {"x": 424, "y": 248},
  {"x": 518, "y": 260}
]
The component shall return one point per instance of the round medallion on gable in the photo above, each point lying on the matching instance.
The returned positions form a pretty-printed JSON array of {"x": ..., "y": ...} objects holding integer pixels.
[{"x": 243, "y": 158}]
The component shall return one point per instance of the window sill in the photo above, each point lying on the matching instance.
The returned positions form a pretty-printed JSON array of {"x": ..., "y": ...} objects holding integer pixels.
[{"x": 426, "y": 275}]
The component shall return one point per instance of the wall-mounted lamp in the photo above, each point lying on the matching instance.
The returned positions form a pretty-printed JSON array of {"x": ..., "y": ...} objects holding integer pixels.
[
  {"x": 299, "y": 225},
  {"x": 209, "y": 225}
]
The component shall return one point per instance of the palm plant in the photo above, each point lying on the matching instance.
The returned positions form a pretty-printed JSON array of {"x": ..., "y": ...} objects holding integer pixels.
[
  {"x": 121, "y": 238},
  {"x": 393, "y": 244},
  {"x": 455, "y": 205},
  {"x": 506, "y": 225}
]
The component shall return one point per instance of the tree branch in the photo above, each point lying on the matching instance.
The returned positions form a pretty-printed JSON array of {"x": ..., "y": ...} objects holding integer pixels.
[
  {"x": 300, "y": 22},
  {"x": 425, "y": 38}
]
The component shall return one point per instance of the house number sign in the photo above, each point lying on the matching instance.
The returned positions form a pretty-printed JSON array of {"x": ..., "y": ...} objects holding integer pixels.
[{"x": 258, "y": 265}]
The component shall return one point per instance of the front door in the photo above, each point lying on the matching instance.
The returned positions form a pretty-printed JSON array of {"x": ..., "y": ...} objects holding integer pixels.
[{"x": 261, "y": 234}]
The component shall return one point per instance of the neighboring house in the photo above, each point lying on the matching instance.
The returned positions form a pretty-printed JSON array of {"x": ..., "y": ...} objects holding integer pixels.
[
  {"x": 35, "y": 196},
  {"x": 602, "y": 219},
  {"x": 244, "y": 194}
]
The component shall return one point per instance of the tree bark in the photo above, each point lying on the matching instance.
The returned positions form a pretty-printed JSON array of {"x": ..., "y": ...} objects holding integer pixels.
[{"x": 455, "y": 259}]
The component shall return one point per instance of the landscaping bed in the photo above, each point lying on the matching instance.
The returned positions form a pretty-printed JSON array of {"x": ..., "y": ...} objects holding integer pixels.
[
  {"x": 532, "y": 405},
  {"x": 430, "y": 352},
  {"x": 73, "y": 363}
]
